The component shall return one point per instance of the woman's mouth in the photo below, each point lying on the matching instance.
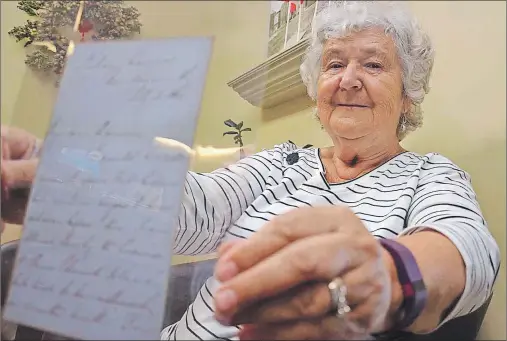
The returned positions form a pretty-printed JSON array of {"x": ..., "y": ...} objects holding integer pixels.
[{"x": 351, "y": 105}]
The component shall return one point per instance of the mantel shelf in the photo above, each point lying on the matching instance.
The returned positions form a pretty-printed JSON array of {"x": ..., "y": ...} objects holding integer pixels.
[{"x": 275, "y": 81}]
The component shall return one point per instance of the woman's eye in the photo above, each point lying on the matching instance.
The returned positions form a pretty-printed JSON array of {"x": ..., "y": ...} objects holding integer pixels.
[
  {"x": 374, "y": 66},
  {"x": 335, "y": 66}
]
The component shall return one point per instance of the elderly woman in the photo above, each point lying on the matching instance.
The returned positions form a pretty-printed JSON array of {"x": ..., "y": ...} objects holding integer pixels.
[
  {"x": 357, "y": 239},
  {"x": 351, "y": 240}
]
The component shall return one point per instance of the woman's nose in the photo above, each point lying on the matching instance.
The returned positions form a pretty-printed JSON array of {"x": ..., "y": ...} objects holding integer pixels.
[{"x": 349, "y": 80}]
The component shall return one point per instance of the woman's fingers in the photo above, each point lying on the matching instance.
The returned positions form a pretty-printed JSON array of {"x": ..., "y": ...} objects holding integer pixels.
[
  {"x": 17, "y": 178},
  {"x": 330, "y": 255},
  {"x": 285, "y": 229},
  {"x": 369, "y": 295},
  {"x": 308, "y": 301},
  {"x": 312, "y": 300},
  {"x": 266, "y": 280},
  {"x": 230, "y": 269},
  {"x": 227, "y": 245},
  {"x": 327, "y": 328},
  {"x": 361, "y": 283},
  {"x": 19, "y": 173},
  {"x": 6, "y": 153},
  {"x": 20, "y": 143}
]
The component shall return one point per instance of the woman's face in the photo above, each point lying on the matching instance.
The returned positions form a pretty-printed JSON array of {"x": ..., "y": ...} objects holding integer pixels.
[{"x": 359, "y": 90}]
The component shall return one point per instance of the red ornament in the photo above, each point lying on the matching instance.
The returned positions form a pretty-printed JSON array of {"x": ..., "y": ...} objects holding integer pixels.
[
  {"x": 84, "y": 27},
  {"x": 292, "y": 5}
]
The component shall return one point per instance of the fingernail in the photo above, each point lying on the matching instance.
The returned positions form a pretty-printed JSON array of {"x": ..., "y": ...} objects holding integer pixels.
[
  {"x": 225, "y": 300},
  {"x": 226, "y": 270},
  {"x": 247, "y": 334},
  {"x": 224, "y": 321}
]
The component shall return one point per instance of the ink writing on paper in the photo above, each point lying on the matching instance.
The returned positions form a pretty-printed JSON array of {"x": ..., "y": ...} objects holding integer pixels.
[{"x": 94, "y": 258}]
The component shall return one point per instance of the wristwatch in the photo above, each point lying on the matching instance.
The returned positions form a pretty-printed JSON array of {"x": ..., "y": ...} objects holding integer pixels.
[{"x": 412, "y": 284}]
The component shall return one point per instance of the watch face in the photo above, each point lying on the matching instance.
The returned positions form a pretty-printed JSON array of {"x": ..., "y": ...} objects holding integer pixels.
[{"x": 418, "y": 286}]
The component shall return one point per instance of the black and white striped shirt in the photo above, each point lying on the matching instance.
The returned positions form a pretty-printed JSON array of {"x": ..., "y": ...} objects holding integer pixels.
[{"x": 408, "y": 193}]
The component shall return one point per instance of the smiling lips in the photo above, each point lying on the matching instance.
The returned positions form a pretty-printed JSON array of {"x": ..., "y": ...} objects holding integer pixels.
[{"x": 352, "y": 105}]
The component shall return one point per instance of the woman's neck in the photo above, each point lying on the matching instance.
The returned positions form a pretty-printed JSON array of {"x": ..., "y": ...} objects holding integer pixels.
[{"x": 349, "y": 159}]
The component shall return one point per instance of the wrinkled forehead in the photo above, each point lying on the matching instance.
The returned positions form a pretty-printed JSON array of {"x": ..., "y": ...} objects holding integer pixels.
[{"x": 367, "y": 42}]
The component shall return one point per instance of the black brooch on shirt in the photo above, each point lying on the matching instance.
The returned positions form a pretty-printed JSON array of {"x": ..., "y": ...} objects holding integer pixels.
[{"x": 292, "y": 158}]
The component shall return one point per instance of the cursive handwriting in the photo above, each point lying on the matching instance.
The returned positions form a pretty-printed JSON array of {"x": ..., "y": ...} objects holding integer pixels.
[
  {"x": 145, "y": 93},
  {"x": 137, "y": 74},
  {"x": 96, "y": 248},
  {"x": 82, "y": 240},
  {"x": 116, "y": 297}
]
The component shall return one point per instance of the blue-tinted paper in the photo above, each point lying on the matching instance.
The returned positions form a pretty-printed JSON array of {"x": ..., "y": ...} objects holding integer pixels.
[{"x": 95, "y": 254}]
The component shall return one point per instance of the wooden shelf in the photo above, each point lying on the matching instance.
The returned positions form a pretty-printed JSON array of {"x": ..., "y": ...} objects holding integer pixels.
[{"x": 275, "y": 81}]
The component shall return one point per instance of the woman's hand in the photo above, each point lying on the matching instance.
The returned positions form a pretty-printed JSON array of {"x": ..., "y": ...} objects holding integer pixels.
[
  {"x": 276, "y": 283},
  {"x": 18, "y": 169}
]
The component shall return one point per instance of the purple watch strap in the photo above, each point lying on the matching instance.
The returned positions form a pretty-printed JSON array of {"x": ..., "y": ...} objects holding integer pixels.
[{"x": 410, "y": 278}]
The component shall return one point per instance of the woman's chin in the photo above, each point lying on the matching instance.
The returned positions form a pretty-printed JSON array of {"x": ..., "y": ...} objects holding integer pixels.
[
  {"x": 350, "y": 132},
  {"x": 349, "y": 128}
]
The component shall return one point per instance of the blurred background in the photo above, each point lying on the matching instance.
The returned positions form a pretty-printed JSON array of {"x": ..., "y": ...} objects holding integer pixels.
[{"x": 254, "y": 78}]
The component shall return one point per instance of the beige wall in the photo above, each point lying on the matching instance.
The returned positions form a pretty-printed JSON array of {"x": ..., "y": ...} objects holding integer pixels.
[
  {"x": 12, "y": 71},
  {"x": 236, "y": 26},
  {"x": 239, "y": 26},
  {"x": 12, "y": 62},
  {"x": 464, "y": 114}
]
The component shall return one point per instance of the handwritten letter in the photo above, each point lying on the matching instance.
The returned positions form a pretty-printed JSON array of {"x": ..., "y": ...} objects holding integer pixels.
[{"x": 95, "y": 254}]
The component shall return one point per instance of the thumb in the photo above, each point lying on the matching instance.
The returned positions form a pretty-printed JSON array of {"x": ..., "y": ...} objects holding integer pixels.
[
  {"x": 20, "y": 143},
  {"x": 19, "y": 173}
]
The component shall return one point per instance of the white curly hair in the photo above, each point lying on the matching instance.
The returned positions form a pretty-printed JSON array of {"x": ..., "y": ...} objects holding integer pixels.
[{"x": 414, "y": 48}]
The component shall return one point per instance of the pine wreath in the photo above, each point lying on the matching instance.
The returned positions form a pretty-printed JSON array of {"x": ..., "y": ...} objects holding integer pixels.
[{"x": 47, "y": 36}]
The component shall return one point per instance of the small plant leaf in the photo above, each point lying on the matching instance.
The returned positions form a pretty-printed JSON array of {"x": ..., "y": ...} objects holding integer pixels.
[
  {"x": 236, "y": 142},
  {"x": 240, "y": 125},
  {"x": 230, "y": 133},
  {"x": 230, "y": 123},
  {"x": 246, "y": 129}
]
